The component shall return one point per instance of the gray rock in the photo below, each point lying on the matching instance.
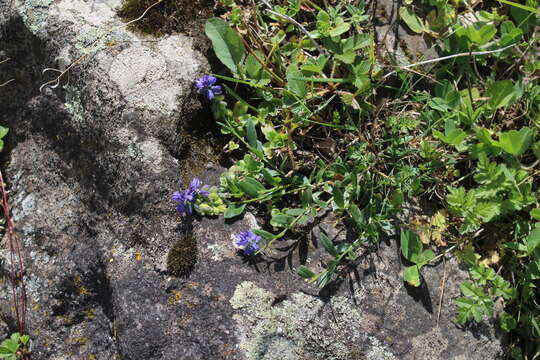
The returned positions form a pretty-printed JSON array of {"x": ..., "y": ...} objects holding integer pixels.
[{"x": 92, "y": 166}]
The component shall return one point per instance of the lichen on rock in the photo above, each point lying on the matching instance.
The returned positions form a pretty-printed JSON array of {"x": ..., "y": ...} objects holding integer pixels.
[{"x": 294, "y": 329}]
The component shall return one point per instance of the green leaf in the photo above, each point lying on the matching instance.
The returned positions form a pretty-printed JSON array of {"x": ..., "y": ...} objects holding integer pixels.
[
  {"x": 324, "y": 279},
  {"x": 305, "y": 272},
  {"x": 280, "y": 220},
  {"x": 307, "y": 197},
  {"x": 516, "y": 142},
  {"x": 536, "y": 149},
  {"x": 355, "y": 42},
  {"x": 361, "y": 82},
  {"x": 338, "y": 196},
  {"x": 356, "y": 215},
  {"x": 412, "y": 275},
  {"x": 452, "y": 135},
  {"x": 410, "y": 244},
  {"x": 315, "y": 65},
  {"x": 423, "y": 258},
  {"x": 10, "y": 346},
  {"x": 294, "y": 84},
  {"x": 340, "y": 27},
  {"x": 412, "y": 20},
  {"x": 251, "y": 186},
  {"x": 251, "y": 133},
  {"x": 533, "y": 241},
  {"x": 501, "y": 93},
  {"x": 252, "y": 65},
  {"x": 233, "y": 211},
  {"x": 24, "y": 339},
  {"x": 535, "y": 213},
  {"x": 226, "y": 42},
  {"x": 264, "y": 234},
  {"x": 487, "y": 211},
  {"x": 521, "y": 6},
  {"x": 269, "y": 178},
  {"x": 507, "y": 322},
  {"x": 328, "y": 245},
  {"x": 3, "y": 131},
  {"x": 347, "y": 57}
]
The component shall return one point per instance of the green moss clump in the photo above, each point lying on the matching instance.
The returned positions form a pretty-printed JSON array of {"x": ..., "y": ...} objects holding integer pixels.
[{"x": 183, "y": 256}]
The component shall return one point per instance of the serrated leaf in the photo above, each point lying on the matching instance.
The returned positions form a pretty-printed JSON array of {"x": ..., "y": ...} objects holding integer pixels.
[
  {"x": 226, "y": 43},
  {"x": 516, "y": 142},
  {"x": 233, "y": 211},
  {"x": 487, "y": 211},
  {"x": 361, "y": 82},
  {"x": 411, "y": 275}
]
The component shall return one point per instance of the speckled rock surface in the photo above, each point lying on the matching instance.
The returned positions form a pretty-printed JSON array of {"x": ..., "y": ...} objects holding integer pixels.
[{"x": 91, "y": 168}]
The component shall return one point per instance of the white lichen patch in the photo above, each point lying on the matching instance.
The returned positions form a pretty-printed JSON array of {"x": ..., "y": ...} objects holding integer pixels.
[
  {"x": 430, "y": 345},
  {"x": 141, "y": 75},
  {"x": 294, "y": 329},
  {"x": 99, "y": 13},
  {"x": 154, "y": 78},
  {"x": 378, "y": 351}
]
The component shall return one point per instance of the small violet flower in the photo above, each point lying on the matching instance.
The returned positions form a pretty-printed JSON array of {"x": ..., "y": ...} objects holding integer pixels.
[
  {"x": 248, "y": 241},
  {"x": 205, "y": 85},
  {"x": 185, "y": 198}
]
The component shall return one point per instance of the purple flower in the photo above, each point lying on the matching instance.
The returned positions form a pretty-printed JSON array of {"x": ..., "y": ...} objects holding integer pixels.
[
  {"x": 195, "y": 185},
  {"x": 248, "y": 241},
  {"x": 205, "y": 85},
  {"x": 185, "y": 198}
]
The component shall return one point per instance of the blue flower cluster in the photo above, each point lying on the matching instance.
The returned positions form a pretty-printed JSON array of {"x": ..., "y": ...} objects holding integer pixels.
[
  {"x": 205, "y": 86},
  {"x": 248, "y": 241},
  {"x": 185, "y": 198}
]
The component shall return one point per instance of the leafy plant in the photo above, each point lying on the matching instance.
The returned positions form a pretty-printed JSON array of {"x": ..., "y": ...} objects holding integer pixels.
[
  {"x": 412, "y": 250},
  {"x": 14, "y": 348},
  {"x": 314, "y": 128}
]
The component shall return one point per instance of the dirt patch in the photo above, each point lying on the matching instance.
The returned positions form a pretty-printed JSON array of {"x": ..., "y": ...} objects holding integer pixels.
[{"x": 167, "y": 17}]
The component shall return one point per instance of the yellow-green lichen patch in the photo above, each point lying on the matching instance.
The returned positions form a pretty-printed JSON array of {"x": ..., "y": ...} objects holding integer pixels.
[{"x": 183, "y": 256}]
